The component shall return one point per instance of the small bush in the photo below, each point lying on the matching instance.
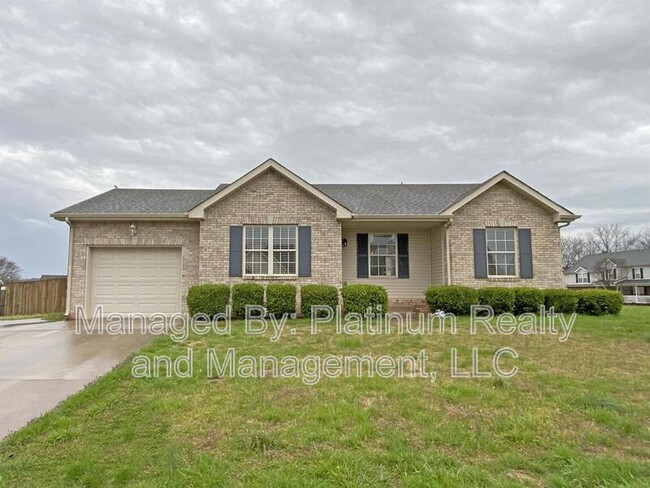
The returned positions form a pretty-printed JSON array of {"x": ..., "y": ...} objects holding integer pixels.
[
  {"x": 562, "y": 301},
  {"x": 324, "y": 295},
  {"x": 599, "y": 302},
  {"x": 281, "y": 299},
  {"x": 246, "y": 294},
  {"x": 208, "y": 299},
  {"x": 528, "y": 300},
  {"x": 502, "y": 300},
  {"x": 451, "y": 299},
  {"x": 358, "y": 298}
]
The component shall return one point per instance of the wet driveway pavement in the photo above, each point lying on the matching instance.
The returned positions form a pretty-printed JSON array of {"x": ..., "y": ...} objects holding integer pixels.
[{"x": 42, "y": 364}]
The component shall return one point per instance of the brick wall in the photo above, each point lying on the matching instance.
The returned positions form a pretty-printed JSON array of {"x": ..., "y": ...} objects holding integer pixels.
[
  {"x": 504, "y": 205},
  {"x": 270, "y": 199},
  {"x": 86, "y": 235}
]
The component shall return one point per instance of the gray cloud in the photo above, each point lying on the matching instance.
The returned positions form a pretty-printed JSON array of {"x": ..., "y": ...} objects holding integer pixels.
[{"x": 157, "y": 94}]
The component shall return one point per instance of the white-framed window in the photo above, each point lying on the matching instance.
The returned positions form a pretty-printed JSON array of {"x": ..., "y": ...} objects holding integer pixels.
[
  {"x": 637, "y": 274},
  {"x": 501, "y": 251},
  {"x": 382, "y": 254},
  {"x": 270, "y": 250},
  {"x": 582, "y": 276}
]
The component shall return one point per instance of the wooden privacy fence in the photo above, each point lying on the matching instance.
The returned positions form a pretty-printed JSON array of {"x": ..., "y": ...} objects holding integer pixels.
[{"x": 29, "y": 297}]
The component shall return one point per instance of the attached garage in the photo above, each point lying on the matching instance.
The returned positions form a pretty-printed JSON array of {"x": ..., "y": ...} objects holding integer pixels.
[{"x": 135, "y": 280}]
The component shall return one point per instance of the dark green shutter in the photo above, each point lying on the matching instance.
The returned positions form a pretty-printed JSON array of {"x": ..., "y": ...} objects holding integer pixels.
[
  {"x": 304, "y": 250},
  {"x": 235, "y": 268},
  {"x": 402, "y": 255},
  {"x": 525, "y": 254},
  {"x": 480, "y": 254},
  {"x": 362, "y": 255}
]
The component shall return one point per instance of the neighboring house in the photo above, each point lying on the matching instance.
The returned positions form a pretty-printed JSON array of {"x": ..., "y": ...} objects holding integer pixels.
[
  {"x": 52, "y": 277},
  {"x": 135, "y": 250},
  {"x": 627, "y": 271}
]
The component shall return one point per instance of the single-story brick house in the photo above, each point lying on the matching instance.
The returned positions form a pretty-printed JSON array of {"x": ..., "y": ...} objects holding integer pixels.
[{"x": 140, "y": 250}]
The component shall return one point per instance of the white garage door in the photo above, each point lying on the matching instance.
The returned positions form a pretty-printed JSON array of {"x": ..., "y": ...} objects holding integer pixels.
[{"x": 135, "y": 280}]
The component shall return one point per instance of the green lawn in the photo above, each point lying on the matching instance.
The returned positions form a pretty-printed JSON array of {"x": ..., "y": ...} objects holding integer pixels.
[
  {"x": 50, "y": 317},
  {"x": 576, "y": 414}
]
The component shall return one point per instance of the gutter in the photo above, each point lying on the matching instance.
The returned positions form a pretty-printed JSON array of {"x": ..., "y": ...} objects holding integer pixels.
[
  {"x": 566, "y": 218},
  {"x": 447, "y": 251},
  {"x": 69, "y": 283},
  {"x": 402, "y": 217},
  {"x": 105, "y": 216}
]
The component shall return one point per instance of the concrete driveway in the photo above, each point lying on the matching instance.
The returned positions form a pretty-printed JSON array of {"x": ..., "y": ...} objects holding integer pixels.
[{"x": 42, "y": 364}]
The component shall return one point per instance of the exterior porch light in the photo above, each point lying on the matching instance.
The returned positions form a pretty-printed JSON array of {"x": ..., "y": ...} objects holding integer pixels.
[
  {"x": 133, "y": 229},
  {"x": 345, "y": 242}
]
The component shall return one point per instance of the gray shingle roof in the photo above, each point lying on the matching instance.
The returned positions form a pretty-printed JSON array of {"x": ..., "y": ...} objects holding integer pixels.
[
  {"x": 140, "y": 201},
  {"x": 640, "y": 257},
  {"x": 409, "y": 199}
]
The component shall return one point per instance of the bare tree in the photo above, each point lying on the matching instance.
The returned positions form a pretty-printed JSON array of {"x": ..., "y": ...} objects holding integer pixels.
[
  {"x": 574, "y": 248},
  {"x": 9, "y": 270},
  {"x": 605, "y": 274},
  {"x": 643, "y": 239},
  {"x": 613, "y": 238}
]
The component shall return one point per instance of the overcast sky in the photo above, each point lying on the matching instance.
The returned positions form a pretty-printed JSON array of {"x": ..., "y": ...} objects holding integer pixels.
[{"x": 192, "y": 94}]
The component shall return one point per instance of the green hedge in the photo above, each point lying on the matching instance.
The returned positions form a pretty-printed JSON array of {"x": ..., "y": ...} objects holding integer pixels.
[
  {"x": 317, "y": 295},
  {"x": 281, "y": 299},
  {"x": 451, "y": 299},
  {"x": 246, "y": 294},
  {"x": 562, "y": 301},
  {"x": 359, "y": 298},
  {"x": 208, "y": 299},
  {"x": 502, "y": 300},
  {"x": 528, "y": 300},
  {"x": 599, "y": 302}
]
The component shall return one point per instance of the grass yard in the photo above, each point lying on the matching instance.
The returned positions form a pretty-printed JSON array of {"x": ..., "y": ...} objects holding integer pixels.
[
  {"x": 50, "y": 317},
  {"x": 577, "y": 414}
]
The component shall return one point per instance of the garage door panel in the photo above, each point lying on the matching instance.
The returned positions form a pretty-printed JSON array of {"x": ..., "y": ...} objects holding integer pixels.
[
  {"x": 135, "y": 280},
  {"x": 153, "y": 273},
  {"x": 167, "y": 289},
  {"x": 127, "y": 272},
  {"x": 105, "y": 271}
]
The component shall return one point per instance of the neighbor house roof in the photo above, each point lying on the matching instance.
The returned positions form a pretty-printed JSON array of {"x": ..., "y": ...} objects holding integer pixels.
[
  {"x": 591, "y": 262},
  {"x": 633, "y": 283}
]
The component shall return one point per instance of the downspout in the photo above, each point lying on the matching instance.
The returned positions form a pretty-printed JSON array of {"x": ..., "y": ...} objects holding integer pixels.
[
  {"x": 448, "y": 252},
  {"x": 69, "y": 283}
]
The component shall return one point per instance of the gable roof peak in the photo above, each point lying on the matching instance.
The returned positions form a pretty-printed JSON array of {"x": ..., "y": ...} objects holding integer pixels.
[
  {"x": 199, "y": 210},
  {"x": 562, "y": 215}
]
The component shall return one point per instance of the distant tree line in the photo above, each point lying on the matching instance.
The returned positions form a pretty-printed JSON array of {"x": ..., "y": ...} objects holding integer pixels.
[{"x": 602, "y": 238}]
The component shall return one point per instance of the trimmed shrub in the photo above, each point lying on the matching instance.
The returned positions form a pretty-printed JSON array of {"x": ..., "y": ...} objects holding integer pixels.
[
  {"x": 358, "y": 298},
  {"x": 451, "y": 299},
  {"x": 562, "y": 301},
  {"x": 246, "y": 294},
  {"x": 280, "y": 299},
  {"x": 317, "y": 295},
  {"x": 209, "y": 299},
  {"x": 599, "y": 302},
  {"x": 502, "y": 300},
  {"x": 528, "y": 300}
]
